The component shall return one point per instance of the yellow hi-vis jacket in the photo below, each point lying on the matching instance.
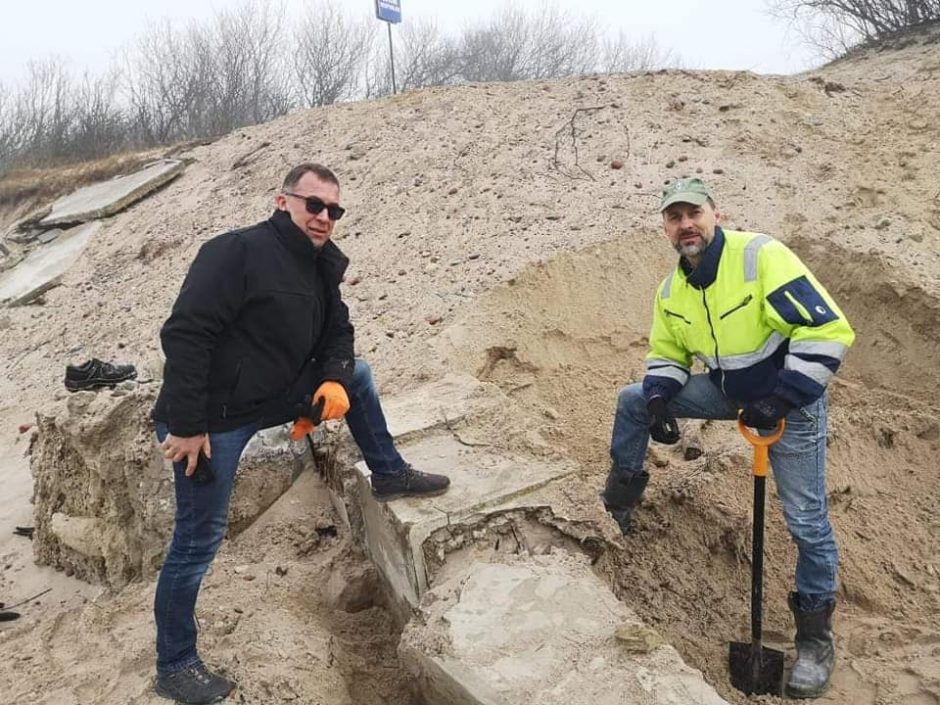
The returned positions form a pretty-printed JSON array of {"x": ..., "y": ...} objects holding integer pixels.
[{"x": 754, "y": 315}]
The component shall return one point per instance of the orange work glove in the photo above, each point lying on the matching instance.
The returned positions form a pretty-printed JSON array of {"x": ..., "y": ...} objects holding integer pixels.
[
  {"x": 301, "y": 428},
  {"x": 307, "y": 420},
  {"x": 335, "y": 400}
]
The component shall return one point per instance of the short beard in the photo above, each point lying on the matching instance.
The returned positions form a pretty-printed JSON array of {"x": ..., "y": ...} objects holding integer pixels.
[{"x": 691, "y": 250}]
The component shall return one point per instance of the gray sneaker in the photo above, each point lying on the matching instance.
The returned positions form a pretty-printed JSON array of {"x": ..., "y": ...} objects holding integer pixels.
[
  {"x": 194, "y": 685},
  {"x": 408, "y": 483}
]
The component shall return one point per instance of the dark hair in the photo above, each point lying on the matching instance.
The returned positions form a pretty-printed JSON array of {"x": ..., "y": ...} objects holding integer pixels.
[{"x": 297, "y": 173}]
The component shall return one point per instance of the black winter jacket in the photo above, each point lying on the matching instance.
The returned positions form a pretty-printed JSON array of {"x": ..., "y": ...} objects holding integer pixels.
[{"x": 258, "y": 323}]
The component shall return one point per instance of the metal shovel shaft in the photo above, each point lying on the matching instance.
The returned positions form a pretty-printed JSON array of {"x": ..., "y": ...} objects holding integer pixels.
[
  {"x": 757, "y": 558},
  {"x": 754, "y": 668}
]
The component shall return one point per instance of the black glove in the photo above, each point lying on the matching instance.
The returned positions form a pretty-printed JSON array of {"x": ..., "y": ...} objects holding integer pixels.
[
  {"x": 765, "y": 413},
  {"x": 663, "y": 425}
]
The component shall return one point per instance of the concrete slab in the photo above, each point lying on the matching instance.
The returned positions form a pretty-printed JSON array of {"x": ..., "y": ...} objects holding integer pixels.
[
  {"x": 541, "y": 629},
  {"x": 48, "y": 236},
  {"x": 108, "y": 197},
  {"x": 481, "y": 481},
  {"x": 44, "y": 266},
  {"x": 437, "y": 403}
]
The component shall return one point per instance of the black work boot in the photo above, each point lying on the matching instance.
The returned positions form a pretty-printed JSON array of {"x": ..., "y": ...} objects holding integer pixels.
[
  {"x": 194, "y": 685},
  {"x": 408, "y": 483},
  {"x": 96, "y": 373},
  {"x": 622, "y": 495},
  {"x": 815, "y": 653}
]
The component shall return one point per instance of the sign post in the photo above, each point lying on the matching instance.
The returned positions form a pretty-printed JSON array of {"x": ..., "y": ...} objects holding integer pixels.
[{"x": 389, "y": 11}]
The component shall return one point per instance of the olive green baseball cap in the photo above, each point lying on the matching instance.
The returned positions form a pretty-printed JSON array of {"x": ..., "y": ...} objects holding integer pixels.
[{"x": 694, "y": 191}]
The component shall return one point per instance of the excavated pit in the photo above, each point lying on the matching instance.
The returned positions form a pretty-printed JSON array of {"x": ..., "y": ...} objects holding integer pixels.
[{"x": 564, "y": 336}]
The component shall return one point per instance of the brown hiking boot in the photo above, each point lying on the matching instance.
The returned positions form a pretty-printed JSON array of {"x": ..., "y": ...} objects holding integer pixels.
[{"x": 408, "y": 483}]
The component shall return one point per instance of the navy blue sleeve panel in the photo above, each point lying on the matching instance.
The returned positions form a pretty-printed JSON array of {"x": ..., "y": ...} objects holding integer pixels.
[
  {"x": 665, "y": 387},
  {"x": 798, "y": 389},
  {"x": 800, "y": 304}
]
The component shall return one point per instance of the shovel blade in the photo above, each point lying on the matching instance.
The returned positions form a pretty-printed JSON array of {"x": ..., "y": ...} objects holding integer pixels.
[{"x": 756, "y": 671}]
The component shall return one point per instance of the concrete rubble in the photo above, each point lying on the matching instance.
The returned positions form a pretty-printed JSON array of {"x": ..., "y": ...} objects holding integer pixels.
[
  {"x": 438, "y": 403},
  {"x": 482, "y": 482},
  {"x": 504, "y": 608},
  {"x": 37, "y": 250},
  {"x": 109, "y": 197},
  {"x": 540, "y": 629},
  {"x": 103, "y": 492},
  {"x": 43, "y": 268}
]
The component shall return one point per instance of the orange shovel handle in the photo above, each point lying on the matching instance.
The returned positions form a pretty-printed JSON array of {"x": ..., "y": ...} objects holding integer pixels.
[{"x": 761, "y": 445}]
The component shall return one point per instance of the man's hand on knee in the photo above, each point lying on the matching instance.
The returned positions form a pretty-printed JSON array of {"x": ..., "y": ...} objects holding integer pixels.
[
  {"x": 177, "y": 448},
  {"x": 663, "y": 425}
]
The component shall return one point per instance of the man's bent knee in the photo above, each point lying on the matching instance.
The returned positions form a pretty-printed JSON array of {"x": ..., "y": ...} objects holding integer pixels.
[{"x": 631, "y": 397}]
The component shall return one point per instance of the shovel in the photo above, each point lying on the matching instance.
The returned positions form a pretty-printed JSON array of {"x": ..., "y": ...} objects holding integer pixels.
[{"x": 756, "y": 669}]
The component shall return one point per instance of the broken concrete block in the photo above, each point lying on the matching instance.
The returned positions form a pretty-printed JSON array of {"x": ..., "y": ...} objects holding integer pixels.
[
  {"x": 444, "y": 401},
  {"x": 48, "y": 236},
  {"x": 43, "y": 268},
  {"x": 108, "y": 197},
  {"x": 539, "y": 629},
  {"x": 395, "y": 532},
  {"x": 104, "y": 494},
  {"x": 90, "y": 536}
]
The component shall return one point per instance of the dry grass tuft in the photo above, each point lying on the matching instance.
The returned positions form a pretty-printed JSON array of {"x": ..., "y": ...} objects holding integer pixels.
[{"x": 47, "y": 184}]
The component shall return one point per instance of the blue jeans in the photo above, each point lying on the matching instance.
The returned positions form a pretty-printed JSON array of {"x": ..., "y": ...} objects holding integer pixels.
[
  {"x": 799, "y": 469},
  {"x": 202, "y": 516}
]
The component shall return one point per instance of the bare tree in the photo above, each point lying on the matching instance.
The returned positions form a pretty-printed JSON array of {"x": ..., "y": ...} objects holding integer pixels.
[
  {"x": 42, "y": 111},
  {"x": 620, "y": 54},
  {"x": 834, "y": 26},
  {"x": 99, "y": 127},
  {"x": 426, "y": 57},
  {"x": 495, "y": 50},
  {"x": 514, "y": 45},
  {"x": 168, "y": 82},
  {"x": 329, "y": 52},
  {"x": 561, "y": 44},
  {"x": 7, "y": 127},
  {"x": 249, "y": 67},
  {"x": 375, "y": 72}
]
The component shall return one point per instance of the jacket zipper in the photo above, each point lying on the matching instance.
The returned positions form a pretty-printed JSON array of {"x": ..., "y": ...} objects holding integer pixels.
[
  {"x": 676, "y": 315},
  {"x": 711, "y": 329},
  {"x": 741, "y": 305}
]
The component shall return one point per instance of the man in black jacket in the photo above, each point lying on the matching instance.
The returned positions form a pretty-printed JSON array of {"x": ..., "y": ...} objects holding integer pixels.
[{"x": 258, "y": 324}]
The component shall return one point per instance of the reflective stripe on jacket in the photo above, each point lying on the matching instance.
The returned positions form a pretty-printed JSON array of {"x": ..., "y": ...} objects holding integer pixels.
[{"x": 754, "y": 315}]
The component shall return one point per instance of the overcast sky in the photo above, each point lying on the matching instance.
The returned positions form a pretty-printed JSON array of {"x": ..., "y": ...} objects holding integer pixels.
[{"x": 711, "y": 34}]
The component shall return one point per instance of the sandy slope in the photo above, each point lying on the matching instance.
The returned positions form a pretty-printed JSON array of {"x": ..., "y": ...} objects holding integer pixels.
[{"x": 484, "y": 238}]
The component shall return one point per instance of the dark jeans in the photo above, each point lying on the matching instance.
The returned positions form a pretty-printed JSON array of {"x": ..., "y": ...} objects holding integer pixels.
[{"x": 202, "y": 516}]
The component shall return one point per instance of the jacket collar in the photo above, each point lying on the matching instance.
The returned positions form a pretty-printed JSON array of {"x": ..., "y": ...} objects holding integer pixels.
[
  {"x": 329, "y": 258},
  {"x": 702, "y": 276}
]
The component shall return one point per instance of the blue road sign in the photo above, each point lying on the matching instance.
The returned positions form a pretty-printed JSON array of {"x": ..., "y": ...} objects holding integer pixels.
[{"x": 388, "y": 10}]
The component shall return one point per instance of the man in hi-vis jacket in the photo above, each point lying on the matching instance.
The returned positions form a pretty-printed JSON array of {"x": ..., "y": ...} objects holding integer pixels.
[{"x": 771, "y": 338}]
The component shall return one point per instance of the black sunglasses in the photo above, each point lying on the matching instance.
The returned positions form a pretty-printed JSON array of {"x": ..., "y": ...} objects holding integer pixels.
[{"x": 315, "y": 205}]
